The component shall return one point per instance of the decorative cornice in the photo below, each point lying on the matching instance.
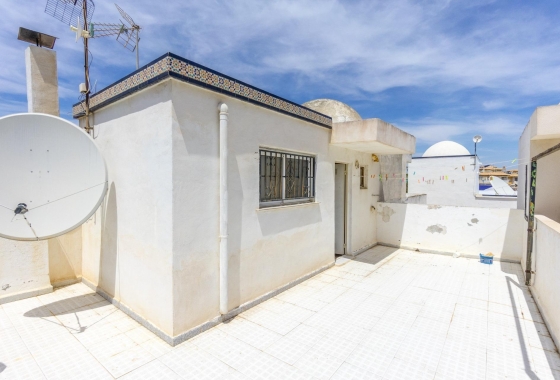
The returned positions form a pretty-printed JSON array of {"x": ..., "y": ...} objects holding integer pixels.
[{"x": 173, "y": 66}]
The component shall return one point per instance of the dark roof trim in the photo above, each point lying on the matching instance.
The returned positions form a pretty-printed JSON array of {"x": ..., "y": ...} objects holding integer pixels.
[{"x": 172, "y": 66}]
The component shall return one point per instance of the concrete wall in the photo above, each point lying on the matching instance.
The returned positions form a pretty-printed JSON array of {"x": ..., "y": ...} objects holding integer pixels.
[
  {"x": 128, "y": 243},
  {"x": 393, "y": 177},
  {"x": 451, "y": 181},
  {"x": 24, "y": 269},
  {"x": 153, "y": 245},
  {"x": 268, "y": 247},
  {"x": 467, "y": 230},
  {"x": 65, "y": 258},
  {"x": 541, "y": 133},
  {"x": 546, "y": 264}
]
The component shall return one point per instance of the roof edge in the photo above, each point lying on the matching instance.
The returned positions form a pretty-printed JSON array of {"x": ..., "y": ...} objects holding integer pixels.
[{"x": 172, "y": 65}]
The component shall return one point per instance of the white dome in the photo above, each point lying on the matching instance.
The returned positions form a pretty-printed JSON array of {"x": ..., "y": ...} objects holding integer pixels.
[
  {"x": 338, "y": 111},
  {"x": 446, "y": 148}
]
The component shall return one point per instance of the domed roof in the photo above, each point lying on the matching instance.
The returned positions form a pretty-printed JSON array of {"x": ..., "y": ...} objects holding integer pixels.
[
  {"x": 339, "y": 111},
  {"x": 446, "y": 148}
]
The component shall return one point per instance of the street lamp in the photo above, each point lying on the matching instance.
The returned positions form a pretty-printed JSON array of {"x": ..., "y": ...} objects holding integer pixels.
[{"x": 476, "y": 139}]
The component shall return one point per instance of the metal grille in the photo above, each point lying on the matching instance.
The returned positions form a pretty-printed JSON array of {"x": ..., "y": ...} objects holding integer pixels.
[
  {"x": 286, "y": 176},
  {"x": 68, "y": 11}
]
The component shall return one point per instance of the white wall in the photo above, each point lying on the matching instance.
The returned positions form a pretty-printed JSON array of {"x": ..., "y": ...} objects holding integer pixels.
[
  {"x": 128, "y": 246},
  {"x": 153, "y": 244},
  {"x": 467, "y": 230},
  {"x": 451, "y": 181},
  {"x": 24, "y": 269},
  {"x": 546, "y": 264},
  {"x": 270, "y": 247}
]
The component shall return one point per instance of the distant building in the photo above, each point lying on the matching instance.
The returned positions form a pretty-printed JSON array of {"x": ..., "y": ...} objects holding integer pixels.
[{"x": 486, "y": 172}]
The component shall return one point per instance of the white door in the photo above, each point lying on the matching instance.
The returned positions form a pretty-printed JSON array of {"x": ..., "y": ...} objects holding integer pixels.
[{"x": 340, "y": 209}]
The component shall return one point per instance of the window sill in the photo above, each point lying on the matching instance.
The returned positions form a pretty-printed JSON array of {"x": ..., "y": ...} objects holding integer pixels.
[{"x": 272, "y": 208}]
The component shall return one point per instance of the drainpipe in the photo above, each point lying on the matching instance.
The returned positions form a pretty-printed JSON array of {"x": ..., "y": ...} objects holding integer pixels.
[{"x": 224, "y": 259}]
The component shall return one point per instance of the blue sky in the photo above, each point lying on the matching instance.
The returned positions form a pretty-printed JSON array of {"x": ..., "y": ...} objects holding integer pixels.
[{"x": 437, "y": 69}]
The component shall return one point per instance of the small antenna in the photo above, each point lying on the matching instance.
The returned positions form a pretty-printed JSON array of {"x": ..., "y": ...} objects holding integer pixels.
[
  {"x": 130, "y": 37},
  {"x": 82, "y": 11}
]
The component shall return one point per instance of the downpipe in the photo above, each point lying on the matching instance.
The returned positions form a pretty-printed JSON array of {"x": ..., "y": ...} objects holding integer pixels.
[{"x": 224, "y": 256}]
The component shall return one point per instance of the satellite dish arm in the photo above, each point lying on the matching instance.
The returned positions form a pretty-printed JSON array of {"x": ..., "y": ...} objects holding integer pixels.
[
  {"x": 32, "y": 230},
  {"x": 67, "y": 196}
]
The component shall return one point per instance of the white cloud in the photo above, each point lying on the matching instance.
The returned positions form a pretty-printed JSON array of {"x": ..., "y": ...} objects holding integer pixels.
[
  {"x": 354, "y": 48},
  {"x": 429, "y": 130}
]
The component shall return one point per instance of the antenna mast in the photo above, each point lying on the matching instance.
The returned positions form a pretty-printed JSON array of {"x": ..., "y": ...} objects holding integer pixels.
[{"x": 86, "y": 67}]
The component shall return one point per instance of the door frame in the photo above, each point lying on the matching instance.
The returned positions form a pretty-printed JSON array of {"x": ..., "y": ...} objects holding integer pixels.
[{"x": 345, "y": 203}]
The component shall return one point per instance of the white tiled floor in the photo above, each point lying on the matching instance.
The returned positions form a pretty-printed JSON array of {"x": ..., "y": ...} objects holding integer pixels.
[{"x": 390, "y": 314}]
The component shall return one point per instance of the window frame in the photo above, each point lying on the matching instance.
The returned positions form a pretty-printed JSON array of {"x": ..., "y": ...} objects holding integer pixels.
[
  {"x": 363, "y": 177},
  {"x": 285, "y": 155}
]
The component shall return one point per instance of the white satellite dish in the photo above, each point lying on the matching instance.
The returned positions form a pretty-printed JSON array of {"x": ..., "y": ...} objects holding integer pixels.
[
  {"x": 501, "y": 187},
  {"x": 53, "y": 177}
]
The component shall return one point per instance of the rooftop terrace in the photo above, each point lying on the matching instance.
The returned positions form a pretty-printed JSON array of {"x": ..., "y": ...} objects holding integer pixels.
[{"x": 389, "y": 314}]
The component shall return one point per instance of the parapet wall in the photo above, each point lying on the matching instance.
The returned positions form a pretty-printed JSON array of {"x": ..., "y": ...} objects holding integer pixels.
[{"x": 452, "y": 229}]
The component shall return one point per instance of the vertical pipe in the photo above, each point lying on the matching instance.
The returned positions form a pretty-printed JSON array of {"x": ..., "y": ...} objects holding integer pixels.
[
  {"x": 137, "y": 49},
  {"x": 86, "y": 64},
  {"x": 531, "y": 224},
  {"x": 224, "y": 259}
]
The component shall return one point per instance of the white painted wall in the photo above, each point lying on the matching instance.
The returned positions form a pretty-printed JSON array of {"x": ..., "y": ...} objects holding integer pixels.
[
  {"x": 268, "y": 247},
  {"x": 153, "y": 244},
  {"x": 546, "y": 264},
  {"x": 24, "y": 269},
  {"x": 451, "y": 181},
  {"x": 128, "y": 245},
  {"x": 467, "y": 230}
]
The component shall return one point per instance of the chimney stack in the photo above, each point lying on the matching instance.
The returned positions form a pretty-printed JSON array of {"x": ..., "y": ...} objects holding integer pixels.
[{"x": 42, "y": 80}]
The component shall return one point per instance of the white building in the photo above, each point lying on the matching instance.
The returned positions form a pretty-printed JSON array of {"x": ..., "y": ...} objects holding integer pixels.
[
  {"x": 449, "y": 175},
  {"x": 221, "y": 194}
]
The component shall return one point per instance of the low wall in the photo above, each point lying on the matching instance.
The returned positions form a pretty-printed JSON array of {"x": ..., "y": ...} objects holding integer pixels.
[
  {"x": 546, "y": 264},
  {"x": 24, "y": 269},
  {"x": 451, "y": 229}
]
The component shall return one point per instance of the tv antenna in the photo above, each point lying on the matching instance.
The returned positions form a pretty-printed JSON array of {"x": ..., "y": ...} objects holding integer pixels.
[
  {"x": 81, "y": 12},
  {"x": 130, "y": 37}
]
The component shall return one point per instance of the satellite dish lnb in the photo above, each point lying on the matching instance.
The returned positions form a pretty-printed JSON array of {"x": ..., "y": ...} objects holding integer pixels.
[{"x": 53, "y": 176}]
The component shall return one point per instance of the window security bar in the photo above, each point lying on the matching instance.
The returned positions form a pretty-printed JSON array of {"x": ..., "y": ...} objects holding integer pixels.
[{"x": 286, "y": 177}]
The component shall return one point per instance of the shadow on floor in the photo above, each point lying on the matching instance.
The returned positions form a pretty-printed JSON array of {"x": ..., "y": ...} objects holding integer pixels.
[
  {"x": 2, "y": 367},
  {"x": 71, "y": 305},
  {"x": 375, "y": 255},
  {"x": 67, "y": 306},
  {"x": 528, "y": 313}
]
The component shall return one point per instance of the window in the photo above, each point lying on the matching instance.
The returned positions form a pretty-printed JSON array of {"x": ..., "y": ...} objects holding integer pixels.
[
  {"x": 286, "y": 178},
  {"x": 363, "y": 177}
]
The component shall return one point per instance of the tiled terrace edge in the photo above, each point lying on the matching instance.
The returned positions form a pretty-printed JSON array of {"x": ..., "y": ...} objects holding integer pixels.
[
  {"x": 172, "y": 66},
  {"x": 173, "y": 341},
  {"x": 26, "y": 294},
  {"x": 445, "y": 253}
]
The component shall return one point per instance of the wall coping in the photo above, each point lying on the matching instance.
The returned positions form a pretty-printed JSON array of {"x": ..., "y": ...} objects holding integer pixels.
[{"x": 170, "y": 65}]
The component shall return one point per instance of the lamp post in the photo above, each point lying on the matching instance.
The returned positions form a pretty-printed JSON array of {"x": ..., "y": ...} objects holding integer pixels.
[{"x": 476, "y": 139}]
